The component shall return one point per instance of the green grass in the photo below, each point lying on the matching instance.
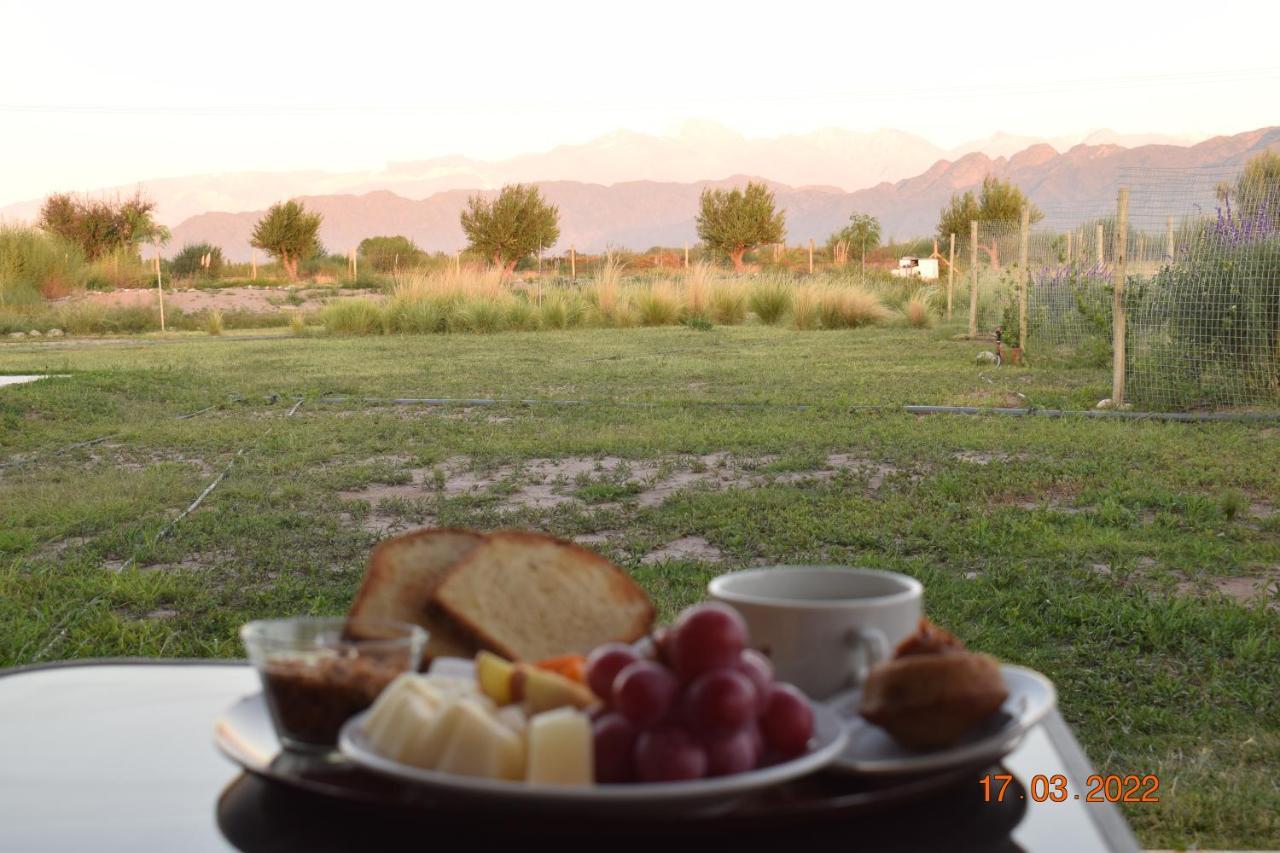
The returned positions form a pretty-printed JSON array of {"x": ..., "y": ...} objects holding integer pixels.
[{"x": 1005, "y": 520}]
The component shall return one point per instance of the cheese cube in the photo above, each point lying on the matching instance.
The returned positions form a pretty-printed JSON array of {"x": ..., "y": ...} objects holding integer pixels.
[
  {"x": 560, "y": 748},
  {"x": 478, "y": 744}
]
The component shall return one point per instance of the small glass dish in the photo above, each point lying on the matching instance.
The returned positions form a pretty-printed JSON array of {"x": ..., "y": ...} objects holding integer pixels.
[{"x": 319, "y": 671}]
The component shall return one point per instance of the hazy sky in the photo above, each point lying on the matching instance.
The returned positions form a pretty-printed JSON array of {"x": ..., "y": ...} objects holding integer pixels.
[{"x": 98, "y": 94}]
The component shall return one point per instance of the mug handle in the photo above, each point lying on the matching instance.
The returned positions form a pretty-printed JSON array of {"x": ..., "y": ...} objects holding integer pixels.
[{"x": 869, "y": 646}]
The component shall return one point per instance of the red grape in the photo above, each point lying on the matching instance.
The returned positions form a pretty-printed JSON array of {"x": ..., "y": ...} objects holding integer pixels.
[
  {"x": 661, "y": 639},
  {"x": 614, "y": 740},
  {"x": 669, "y": 754},
  {"x": 759, "y": 669},
  {"x": 643, "y": 692},
  {"x": 719, "y": 701},
  {"x": 706, "y": 637},
  {"x": 604, "y": 664},
  {"x": 733, "y": 753},
  {"x": 787, "y": 721}
]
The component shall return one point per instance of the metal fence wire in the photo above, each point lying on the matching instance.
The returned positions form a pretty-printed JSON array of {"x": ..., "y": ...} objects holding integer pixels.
[{"x": 1201, "y": 273}]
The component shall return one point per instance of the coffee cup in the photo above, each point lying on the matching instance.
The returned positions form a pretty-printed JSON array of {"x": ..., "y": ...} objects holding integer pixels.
[{"x": 823, "y": 627}]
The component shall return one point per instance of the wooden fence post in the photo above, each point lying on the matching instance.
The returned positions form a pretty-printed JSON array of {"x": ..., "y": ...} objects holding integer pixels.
[
  {"x": 1102, "y": 253},
  {"x": 160, "y": 288},
  {"x": 951, "y": 274},
  {"x": 973, "y": 278},
  {"x": 1024, "y": 277},
  {"x": 686, "y": 255},
  {"x": 255, "y": 264},
  {"x": 457, "y": 262},
  {"x": 573, "y": 264},
  {"x": 1069, "y": 235},
  {"x": 1117, "y": 299},
  {"x": 810, "y": 256},
  {"x": 1168, "y": 240}
]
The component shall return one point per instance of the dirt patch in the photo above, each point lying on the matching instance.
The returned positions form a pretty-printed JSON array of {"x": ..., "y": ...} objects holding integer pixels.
[
  {"x": 1243, "y": 589},
  {"x": 607, "y": 481},
  {"x": 593, "y": 540},
  {"x": 162, "y": 613},
  {"x": 983, "y": 457},
  {"x": 686, "y": 548}
]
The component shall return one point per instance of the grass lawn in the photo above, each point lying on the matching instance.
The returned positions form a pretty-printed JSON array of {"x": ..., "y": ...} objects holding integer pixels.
[{"x": 1099, "y": 552}]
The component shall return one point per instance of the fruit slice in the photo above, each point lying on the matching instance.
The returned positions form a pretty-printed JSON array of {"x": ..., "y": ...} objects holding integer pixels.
[
  {"x": 480, "y": 745},
  {"x": 542, "y": 690},
  {"x": 494, "y": 675},
  {"x": 560, "y": 748}
]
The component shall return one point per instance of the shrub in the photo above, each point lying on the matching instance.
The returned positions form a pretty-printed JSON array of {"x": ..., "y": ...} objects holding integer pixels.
[
  {"x": 698, "y": 283},
  {"x": 34, "y": 265},
  {"x": 861, "y": 308},
  {"x": 297, "y": 323},
  {"x": 804, "y": 308},
  {"x": 213, "y": 322},
  {"x": 521, "y": 316},
  {"x": 423, "y": 316},
  {"x": 390, "y": 254},
  {"x": 560, "y": 311},
  {"x": 917, "y": 313},
  {"x": 769, "y": 301},
  {"x": 353, "y": 317},
  {"x": 189, "y": 262},
  {"x": 657, "y": 305},
  {"x": 483, "y": 315},
  {"x": 607, "y": 296},
  {"x": 729, "y": 303}
]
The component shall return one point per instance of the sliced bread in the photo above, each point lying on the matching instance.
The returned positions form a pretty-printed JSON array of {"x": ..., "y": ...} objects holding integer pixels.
[
  {"x": 531, "y": 597},
  {"x": 402, "y": 574}
]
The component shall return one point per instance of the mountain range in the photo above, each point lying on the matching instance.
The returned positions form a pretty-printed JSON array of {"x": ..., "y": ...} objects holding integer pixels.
[
  {"x": 636, "y": 190},
  {"x": 700, "y": 150},
  {"x": 1069, "y": 186}
]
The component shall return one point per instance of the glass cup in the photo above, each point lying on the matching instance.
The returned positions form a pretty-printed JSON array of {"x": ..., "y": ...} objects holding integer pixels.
[{"x": 319, "y": 671}]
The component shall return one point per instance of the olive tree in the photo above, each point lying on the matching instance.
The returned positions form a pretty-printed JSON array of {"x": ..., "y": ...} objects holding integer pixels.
[
  {"x": 736, "y": 221},
  {"x": 289, "y": 233},
  {"x": 996, "y": 201},
  {"x": 514, "y": 225}
]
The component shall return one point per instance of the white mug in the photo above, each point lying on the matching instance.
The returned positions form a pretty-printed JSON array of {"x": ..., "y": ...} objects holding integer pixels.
[{"x": 823, "y": 627}]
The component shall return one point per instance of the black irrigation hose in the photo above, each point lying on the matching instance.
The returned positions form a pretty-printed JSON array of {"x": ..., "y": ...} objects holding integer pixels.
[
  {"x": 1181, "y": 417},
  {"x": 1029, "y": 411}
]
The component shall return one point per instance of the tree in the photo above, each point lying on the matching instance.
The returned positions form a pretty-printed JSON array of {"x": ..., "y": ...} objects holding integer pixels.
[
  {"x": 100, "y": 227},
  {"x": 386, "y": 254},
  {"x": 289, "y": 233},
  {"x": 997, "y": 201},
  {"x": 189, "y": 263},
  {"x": 1257, "y": 192},
  {"x": 862, "y": 233},
  {"x": 736, "y": 221},
  {"x": 513, "y": 226}
]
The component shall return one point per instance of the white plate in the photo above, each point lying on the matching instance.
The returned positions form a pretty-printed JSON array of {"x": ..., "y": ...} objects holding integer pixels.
[
  {"x": 872, "y": 752},
  {"x": 829, "y": 739}
]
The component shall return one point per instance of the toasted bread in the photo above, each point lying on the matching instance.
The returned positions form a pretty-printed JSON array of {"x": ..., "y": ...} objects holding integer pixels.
[
  {"x": 530, "y": 597},
  {"x": 402, "y": 574}
]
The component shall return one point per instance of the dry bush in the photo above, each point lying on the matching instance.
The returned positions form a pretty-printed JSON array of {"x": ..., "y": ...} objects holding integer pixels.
[
  {"x": 729, "y": 303},
  {"x": 917, "y": 313},
  {"x": 804, "y": 308},
  {"x": 699, "y": 281}
]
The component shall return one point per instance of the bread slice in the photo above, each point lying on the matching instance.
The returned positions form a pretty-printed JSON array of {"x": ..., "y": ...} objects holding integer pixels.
[
  {"x": 402, "y": 574},
  {"x": 531, "y": 597}
]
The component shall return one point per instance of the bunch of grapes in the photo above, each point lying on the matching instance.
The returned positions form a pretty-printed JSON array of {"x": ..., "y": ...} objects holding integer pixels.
[{"x": 696, "y": 702}]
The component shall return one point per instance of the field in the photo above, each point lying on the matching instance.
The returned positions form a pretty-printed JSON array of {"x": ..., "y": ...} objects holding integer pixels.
[{"x": 1128, "y": 560}]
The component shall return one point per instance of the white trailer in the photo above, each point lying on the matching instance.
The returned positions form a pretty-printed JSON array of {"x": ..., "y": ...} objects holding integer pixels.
[{"x": 925, "y": 269}]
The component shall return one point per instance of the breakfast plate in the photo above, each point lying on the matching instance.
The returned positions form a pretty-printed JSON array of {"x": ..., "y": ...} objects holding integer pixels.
[
  {"x": 872, "y": 752},
  {"x": 829, "y": 740}
]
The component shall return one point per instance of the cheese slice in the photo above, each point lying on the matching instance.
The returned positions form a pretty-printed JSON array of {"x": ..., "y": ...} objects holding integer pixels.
[
  {"x": 560, "y": 748},
  {"x": 479, "y": 744}
]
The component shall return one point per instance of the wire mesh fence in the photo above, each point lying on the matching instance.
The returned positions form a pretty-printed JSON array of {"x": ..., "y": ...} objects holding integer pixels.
[
  {"x": 1203, "y": 326},
  {"x": 1199, "y": 262}
]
